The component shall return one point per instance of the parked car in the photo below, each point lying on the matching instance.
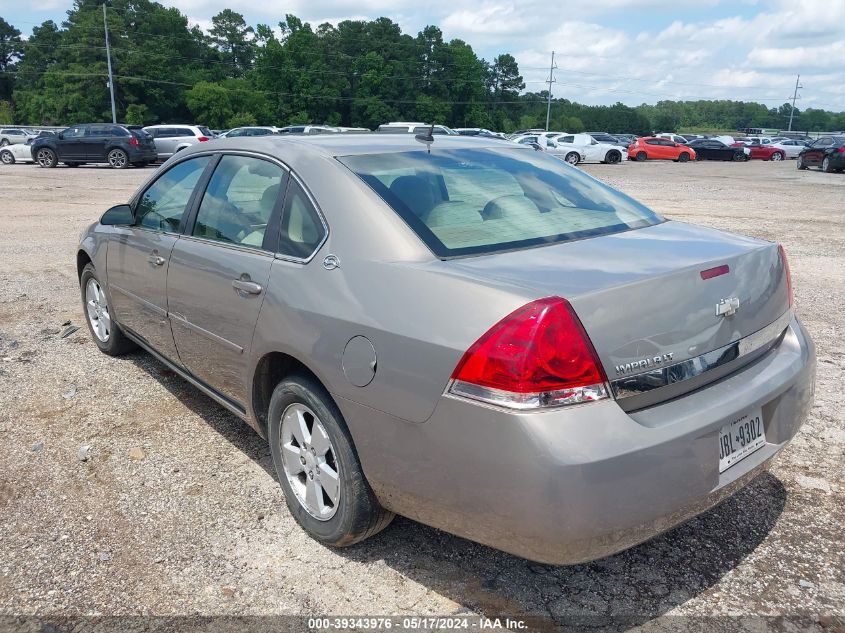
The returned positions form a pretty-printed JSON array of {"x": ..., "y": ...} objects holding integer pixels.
[
  {"x": 477, "y": 131},
  {"x": 762, "y": 152},
  {"x": 569, "y": 152},
  {"x": 309, "y": 129},
  {"x": 610, "y": 139},
  {"x": 255, "y": 130},
  {"x": 654, "y": 148},
  {"x": 402, "y": 127},
  {"x": 791, "y": 148},
  {"x": 627, "y": 139},
  {"x": 489, "y": 357},
  {"x": 711, "y": 149},
  {"x": 828, "y": 153},
  {"x": 17, "y": 153},
  {"x": 593, "y": 150},
  {"x": 171, "y": 138},
  {"x": 14, "y": 136},
  {"x": 117, "y": 145},
  {"x": 676, "y": 138}
]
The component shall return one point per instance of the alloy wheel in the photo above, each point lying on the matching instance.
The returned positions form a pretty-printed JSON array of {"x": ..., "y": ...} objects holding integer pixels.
[
  {"x": 777, "y": 156},
  {"x": 309, "y": 461},
  {"x": 826, "y": 164},
  {"x": 117, "y": 158},
  {"x": 45, "y": 158},
  {"x": 97, "y": 307},
  {"x": 6, "y": 157},
  {"x": 572, "y": 158}
]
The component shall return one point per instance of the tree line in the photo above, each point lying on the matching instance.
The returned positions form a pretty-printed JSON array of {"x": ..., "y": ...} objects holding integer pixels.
[{"x": 357, "y": 73}]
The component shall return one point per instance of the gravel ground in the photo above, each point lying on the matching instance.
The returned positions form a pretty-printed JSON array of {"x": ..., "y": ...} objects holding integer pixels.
[{"x": 175, "y": 509}]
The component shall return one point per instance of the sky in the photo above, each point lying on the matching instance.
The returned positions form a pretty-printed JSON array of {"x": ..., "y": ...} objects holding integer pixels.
[{"x": 633, "y": 51}]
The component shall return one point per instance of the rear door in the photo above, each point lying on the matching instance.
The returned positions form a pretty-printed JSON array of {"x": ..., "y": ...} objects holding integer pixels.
[
  {"x": 138, "y": 256},
  {"x": 219, "y": 271}
]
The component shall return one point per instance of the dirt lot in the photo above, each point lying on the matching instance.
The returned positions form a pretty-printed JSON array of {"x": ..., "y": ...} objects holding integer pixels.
[{"x": 194, "y": 522}]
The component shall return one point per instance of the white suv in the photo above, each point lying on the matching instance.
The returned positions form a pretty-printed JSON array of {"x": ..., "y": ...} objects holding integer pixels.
[
  {"x": 170, "y": 139},
  {"x": 404, "y": 127}
]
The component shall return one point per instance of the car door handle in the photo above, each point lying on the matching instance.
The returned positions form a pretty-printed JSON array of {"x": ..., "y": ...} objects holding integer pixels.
[
  {"x": 250, "y": 287},
  {"x": 156, "y": 260}
]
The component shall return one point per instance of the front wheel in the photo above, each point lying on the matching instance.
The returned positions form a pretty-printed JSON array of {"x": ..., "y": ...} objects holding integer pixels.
[
  {"x": 7, "y": 158},
  {"x": 46, "y": 157},
  {"x": 777, "y": 156},
  {"x": 642, "y": 156},
  {"x": 826, "y": 165},
  {"x": 800, "y": 163},
  {"x": 739, "y": 156},
  {"x": 106, "y": 333},
  {"x": 4, "y": 142},
  {"x": 318, "y": 467},
  {"x": 613, "y": 157},
  {"x": 118, "y": 159},
  {"x": 684, "y": 157},
  {"x": 572, "y": 158}
]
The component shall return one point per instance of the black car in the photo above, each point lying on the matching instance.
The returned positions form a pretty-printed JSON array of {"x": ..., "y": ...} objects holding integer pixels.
[
  {"x": 117, "y": 145},
  {"x": 604, "y": 137},
  {"x": 828, "y": 153},
  {"x": 712, "y": 149}
]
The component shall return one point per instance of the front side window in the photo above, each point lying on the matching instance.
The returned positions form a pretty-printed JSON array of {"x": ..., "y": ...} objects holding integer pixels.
[
  {"x": 478, "y": 201},
  {"x": 239, "y": 201},
  {"x": 74, "y": 132},
  {"x": 162, "y": 206}
]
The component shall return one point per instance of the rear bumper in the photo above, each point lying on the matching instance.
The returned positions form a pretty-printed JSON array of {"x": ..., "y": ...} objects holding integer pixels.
[
  {"x": 584, "y": 482},
  {"x": 137, "y": 155}
]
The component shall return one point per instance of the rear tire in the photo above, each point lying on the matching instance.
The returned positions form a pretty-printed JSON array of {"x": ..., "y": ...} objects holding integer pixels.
[
  {"x": 777, "y": 156},
  {"x": 118, "y": 159},
  {"x": 826, "y": 168},
  {"x": 356, "y": 513},
  {"x": 642, "y": 156},
  {"x": 572, "y": 158},
  {"x": 6, "y": 157},
  {"x": 4, "y": 142},
  {"x": 45, "y": 157},
  {"x": 104, "y": 330},
  {"x": 683, "y": 157}
]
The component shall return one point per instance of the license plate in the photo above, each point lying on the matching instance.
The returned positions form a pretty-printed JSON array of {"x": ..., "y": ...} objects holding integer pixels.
[{"x": 741, "y": 437}]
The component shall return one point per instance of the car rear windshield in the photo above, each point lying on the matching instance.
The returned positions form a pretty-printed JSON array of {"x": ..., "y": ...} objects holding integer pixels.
[
  {"x": 205, "y": 131},
  {"x": 477, "y": 201}
]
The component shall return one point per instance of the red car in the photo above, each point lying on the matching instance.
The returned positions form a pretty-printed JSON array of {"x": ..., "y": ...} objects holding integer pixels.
[
  {"x": 764, "y": 152},
  {"x": 651, "y": 147}
]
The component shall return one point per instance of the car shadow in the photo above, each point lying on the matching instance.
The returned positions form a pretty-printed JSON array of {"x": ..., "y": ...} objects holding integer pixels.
[{"x": 614, "y": 593}]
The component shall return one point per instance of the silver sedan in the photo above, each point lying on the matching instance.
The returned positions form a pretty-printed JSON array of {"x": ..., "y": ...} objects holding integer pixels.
[{"x": 466, "y": 332}]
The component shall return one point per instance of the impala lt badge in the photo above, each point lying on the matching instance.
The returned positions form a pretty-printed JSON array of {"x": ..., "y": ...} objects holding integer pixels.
[
  {"x": 727, "y": 307},
  {"x": 645, "y": 363}
]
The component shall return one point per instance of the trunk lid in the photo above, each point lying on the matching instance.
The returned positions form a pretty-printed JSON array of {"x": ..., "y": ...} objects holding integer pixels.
[{"x": 640, "y": 294}]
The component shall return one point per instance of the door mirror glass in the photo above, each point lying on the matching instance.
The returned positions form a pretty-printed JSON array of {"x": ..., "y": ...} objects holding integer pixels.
[
  {"x": 61, "y": 135},
  {"x": 120, "y": 215}
]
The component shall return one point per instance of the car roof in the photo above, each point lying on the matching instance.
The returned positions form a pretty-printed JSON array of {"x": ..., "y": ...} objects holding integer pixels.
[{"x": 344, "y": 145}]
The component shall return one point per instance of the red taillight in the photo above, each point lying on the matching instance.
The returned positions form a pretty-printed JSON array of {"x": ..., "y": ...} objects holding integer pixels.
[
  {"x": 724, "y": 269},
  {"x": 537, "y": 356},
  {"x": 203, "y": 139},
  {"x": 787, "y": 272},
  {"x": 133, "y": 142},
  {"x": 841, "y": 150}
]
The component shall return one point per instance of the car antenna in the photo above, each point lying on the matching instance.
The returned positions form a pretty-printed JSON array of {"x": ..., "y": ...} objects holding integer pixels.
[{"x": 427, "y": 138}]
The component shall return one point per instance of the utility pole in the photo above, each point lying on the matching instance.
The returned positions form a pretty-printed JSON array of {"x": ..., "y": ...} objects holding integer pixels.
[
  {"x": 550, "y": 82},
  {"x": 108, "y": 58},
  {"x": 794, "y": 97}
]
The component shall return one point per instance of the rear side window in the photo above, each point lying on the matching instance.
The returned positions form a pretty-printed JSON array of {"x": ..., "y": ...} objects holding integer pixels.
[
  {"x": 203, "y": 130},
  {"x": 239, "y": 201},
  {"x": 162, "y": 206},
  {"x": 302, "y": 230},
  {"x": 478, "y": 201}
]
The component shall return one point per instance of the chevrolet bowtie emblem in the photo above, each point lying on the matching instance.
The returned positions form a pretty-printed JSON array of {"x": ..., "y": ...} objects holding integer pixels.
[{"x": 727, "y": 307}]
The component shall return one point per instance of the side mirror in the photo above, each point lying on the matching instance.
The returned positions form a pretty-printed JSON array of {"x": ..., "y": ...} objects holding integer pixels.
[
  {"x": 61, "y": 135},
  {"x": 120, "y": 215}
]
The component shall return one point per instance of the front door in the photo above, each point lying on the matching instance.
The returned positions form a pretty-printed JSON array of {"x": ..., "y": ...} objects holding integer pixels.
[
  {"x": 815, "y": 153},
  {"x": 219, "y": 271},
  {"x": 70, "y": 145},
  {"x": 139, "y": 255}
]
